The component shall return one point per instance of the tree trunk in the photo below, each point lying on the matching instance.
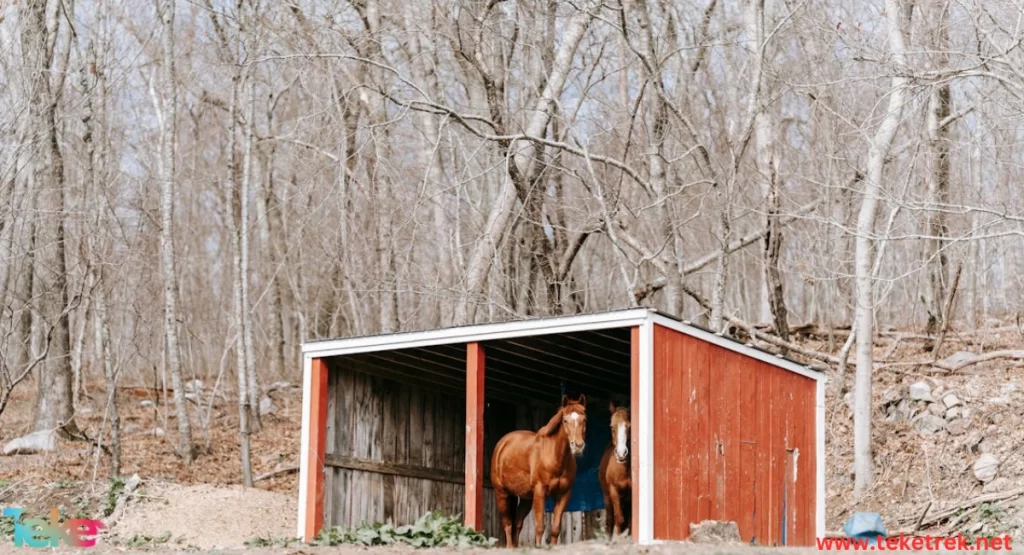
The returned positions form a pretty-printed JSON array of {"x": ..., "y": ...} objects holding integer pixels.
[
  {"x": 936, "y": 259},
  {"x": 252, "y": 380},
  {"x": 167, "y": 177},
  {"x": 234, "y": 202},
  {"x": 54, "y": 407},
  {"x": 864, "y": 302}
]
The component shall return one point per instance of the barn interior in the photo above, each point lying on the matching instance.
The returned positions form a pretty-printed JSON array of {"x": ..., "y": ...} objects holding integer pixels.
[{"x": 396, "y": 422}]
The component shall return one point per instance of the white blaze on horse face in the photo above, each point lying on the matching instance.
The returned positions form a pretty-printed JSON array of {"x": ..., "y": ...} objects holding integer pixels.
[
  {"x": 621, "y": 443},
  {"x": 574, "y": 420}
]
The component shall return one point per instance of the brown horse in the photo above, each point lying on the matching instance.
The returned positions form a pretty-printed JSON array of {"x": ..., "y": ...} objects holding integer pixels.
[
  {"x": 614, "y": 473},
  {"x": 527, "y": 467}
]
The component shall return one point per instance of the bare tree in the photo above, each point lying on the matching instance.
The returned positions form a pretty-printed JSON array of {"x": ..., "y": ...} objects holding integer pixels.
[
  {"x": 865, "y": 302},
  {"x": 168, "y": 115}
]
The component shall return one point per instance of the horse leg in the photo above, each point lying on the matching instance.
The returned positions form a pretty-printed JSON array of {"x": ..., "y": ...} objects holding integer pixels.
[
  {"x": 609, "y": 514},
  {"x": 501, "y": 500},
  {"x": 524, "y": 509},
  {"x": 538, "y": 514},
  {"x": 617, "y": 503},
  {"x": 556, "y": 518}
]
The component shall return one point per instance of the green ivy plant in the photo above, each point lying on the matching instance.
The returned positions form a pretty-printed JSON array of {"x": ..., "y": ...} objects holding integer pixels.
[{"x": 433, "y": 529}]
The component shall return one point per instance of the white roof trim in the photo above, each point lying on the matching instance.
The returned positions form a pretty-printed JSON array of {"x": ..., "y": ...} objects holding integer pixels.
[
  {"x": 541, "y": 326},
  {"x": 479, "y": 332},
  {"x": 737, "y": 347}
]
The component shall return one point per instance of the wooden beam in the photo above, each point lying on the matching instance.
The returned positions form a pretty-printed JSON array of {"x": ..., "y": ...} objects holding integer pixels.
[
  {"x": 474, "y": 509},
  {"x": 634, "y": 441},
  {"x": 399, "y": 469},
  {"x": 317, "y": 447}
]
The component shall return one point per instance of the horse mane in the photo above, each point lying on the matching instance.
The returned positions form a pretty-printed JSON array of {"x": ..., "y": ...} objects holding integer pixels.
[{"x": 552, "y": 426}]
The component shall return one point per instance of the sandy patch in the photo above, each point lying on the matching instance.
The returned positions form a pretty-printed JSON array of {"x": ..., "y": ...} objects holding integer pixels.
[{"x": 207, "y": 516}]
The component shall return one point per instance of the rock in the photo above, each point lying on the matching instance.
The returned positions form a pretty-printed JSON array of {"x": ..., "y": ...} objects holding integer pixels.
[
  {"x": 848, "y": 399},
  {"x": 937, "y": 409},
  {"x": 267, "y": 406},
  {"x": 958, "y": 357},
  {"x": 954, "y": 413},
  {"x": 715, "y": 532},
  {"x": 997, "y": 485},
  {"x": 900, "y": 412},
  {"x": 957, "y": 427},
  {"x": 194, "y": 386},
  {"x": 36, "y": 442},
  {"x": 985, "y": 467},
  {"x": 158, "y": 432},
  {"x": 891, "y": 396},
  {"x": 986, "y": 445},
  {"x": 929, "y": 424},
  {"x": 145, "y": 403},
  {"x": 921, "y": 391},
  {"x": 950, "y": 400}
]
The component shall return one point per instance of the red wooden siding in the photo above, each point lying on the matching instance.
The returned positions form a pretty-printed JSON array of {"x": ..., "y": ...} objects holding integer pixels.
[{"x": 730, "y": 433}]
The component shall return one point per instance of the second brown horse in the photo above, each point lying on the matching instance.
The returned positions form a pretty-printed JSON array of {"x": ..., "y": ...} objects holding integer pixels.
[
  {"x": 528, "y": 467},
  {"x": 614, "y": 474}
]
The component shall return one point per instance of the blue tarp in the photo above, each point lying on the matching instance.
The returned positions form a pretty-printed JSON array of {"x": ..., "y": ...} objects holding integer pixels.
[{"x": 586, "y": 490}]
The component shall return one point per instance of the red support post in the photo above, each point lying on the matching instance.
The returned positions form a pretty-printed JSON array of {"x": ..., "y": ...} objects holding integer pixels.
[
  {"x": 474, "y": 510},
  {"x": 317, "y": 446}
]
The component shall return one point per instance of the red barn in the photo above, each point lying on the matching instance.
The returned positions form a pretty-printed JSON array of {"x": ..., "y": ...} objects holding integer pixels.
[{"x": 399, "y": 424}]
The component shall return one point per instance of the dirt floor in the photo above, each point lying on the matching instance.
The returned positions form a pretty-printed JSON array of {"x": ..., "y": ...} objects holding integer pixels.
[{"x": 921, "y": 469}]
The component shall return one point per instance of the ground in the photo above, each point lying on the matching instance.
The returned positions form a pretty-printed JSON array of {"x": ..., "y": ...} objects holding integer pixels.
[{"x": 924, "y": 466}]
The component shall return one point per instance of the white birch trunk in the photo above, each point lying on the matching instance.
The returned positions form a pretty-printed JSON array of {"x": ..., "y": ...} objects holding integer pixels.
[{"x": 864, "y": 302}]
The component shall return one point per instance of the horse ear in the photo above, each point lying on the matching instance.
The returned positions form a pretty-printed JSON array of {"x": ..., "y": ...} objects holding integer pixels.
[
  {"x": 582, "y": 400},
  {"x": 611, "y": 407},
  {"x": 565, "y": 400}
]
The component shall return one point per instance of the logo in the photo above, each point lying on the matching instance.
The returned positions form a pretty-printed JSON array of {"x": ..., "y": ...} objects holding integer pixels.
[{"x": 38, "y": 532}]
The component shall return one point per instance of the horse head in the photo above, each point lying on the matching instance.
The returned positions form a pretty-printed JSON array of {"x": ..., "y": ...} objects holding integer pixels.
[
  {"x": 620, "y": 431},
  {"x": 574, "y": 422}
]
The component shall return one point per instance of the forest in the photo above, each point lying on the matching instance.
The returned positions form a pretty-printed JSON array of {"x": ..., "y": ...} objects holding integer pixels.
[{"x": 191, "y": 190}]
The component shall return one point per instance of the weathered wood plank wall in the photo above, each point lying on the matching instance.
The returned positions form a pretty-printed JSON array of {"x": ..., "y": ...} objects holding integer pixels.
[{"x": 396, "y": 451}]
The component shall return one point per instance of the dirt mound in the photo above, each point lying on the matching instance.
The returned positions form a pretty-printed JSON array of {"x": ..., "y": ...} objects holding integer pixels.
[{"x": 207, "y": 516}]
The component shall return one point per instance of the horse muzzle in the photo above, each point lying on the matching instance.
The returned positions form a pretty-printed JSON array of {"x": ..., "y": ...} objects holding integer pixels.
[
  {"x": 623, "y": 459},
  {"x": 577, "y": 449}
]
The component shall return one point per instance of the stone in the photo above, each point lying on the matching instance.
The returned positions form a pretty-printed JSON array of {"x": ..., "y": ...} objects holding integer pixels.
[
  {"x": 958, "y": 357},
  {"x": 267, "y": 406},
  {"x": 158, "y": 432},
  {"x": 921, "y": 391},
  {"x": 901, "y": 412},
  {"x": 891, "y": 396},
  {"x": 985, "y": 467},
  {"x": 929, "y": 424},
  {"x": 36, "y": 442},
  {"x": 715, "y": 532},
  {"x": 937, "y": 409},
  {"x": 848, "y": 399},
  {"x": 193, "y": 386},
  {"x": 957, "y": 427},
  {"x": 954, "y": 413},
  {"x": 145, "y": 403},
  {"x": 986, "y": 445},
  {"x": 997, "y": 485},
  {"x": 950, "y": 400}
]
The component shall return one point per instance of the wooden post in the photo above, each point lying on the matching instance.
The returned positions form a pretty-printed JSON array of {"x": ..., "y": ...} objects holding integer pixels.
[
  {"x": 317, "y": 447},
  {"x": 634, "y": 436},
  {"x": 474, "y": 510}
]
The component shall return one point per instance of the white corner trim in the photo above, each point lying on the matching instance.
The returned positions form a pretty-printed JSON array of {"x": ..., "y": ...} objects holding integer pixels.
[
  {"x": 645, "y": 519},
  {"x": 736, "y": 347},
  {"x": 307, "y": 392},
  {"x": 820, "y": 462},
  {"x": 480, "y": 332}
]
